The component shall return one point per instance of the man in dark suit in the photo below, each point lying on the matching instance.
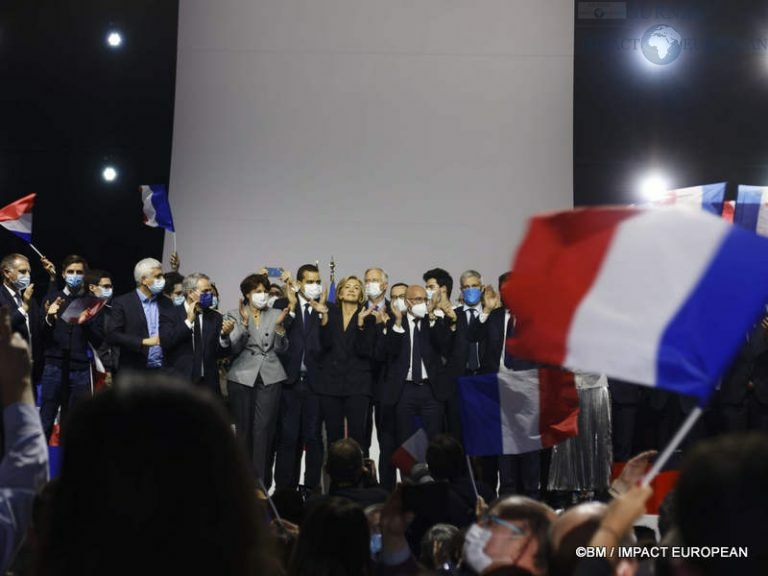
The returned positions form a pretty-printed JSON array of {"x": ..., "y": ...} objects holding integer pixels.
[
  {"x": 193, "y": 335},
  {"x": 415, "y": 384},
  {"x": 16, "y": 296},
  {"x": 135, "y": 321},
  {"x": 299, "y": 404},
  {"x": 743, "y": 396}
]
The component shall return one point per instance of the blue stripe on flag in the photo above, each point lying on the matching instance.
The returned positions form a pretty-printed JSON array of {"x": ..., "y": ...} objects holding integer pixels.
[
  {"x": 748, "y": 206},
  {"x": 162, "y": 207},
  {"x": 705, "y": 334},
  {"x": 481, "y": 415},
  {"x": 712, "y": 197}
]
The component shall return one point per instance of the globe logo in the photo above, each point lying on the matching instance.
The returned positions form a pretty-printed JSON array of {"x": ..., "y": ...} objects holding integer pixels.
[
  {"x": 661, "y": 44},
  {"x": 599, "y": 13}
]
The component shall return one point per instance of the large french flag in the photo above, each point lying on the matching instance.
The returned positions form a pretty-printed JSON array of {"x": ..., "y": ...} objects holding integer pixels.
[
  {"x": 752, "y": 208},
  {"x": 638, "y": 294},
  {"x": 513, "y": 412},
  {"x": 157, "y": 209},
  {"x": 709, "y": 197},
  {"x": 17, "y": 217}
]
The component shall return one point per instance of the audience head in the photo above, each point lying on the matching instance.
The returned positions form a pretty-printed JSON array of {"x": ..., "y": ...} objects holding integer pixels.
[
  {"x": 148, "y": 274},
  {"x": 16, "y": 271},
  {"x": 438, "y": 280},
  {"x": 345, "y": 463},
  {"x": 350, "y": 290},
  {"x": 198, "y": 289},
  {"x": 721, "y": 500},
  {"x": 440, "y": 546},
  {"x": 445, "y": 458},
  {"x": 99, "y": 283},
  {"x": 73, "y": 269},
  {"x": 334, "y": 541},
  {"x": 376, "y": 283},
  {"x": 255, "y": 290},
  {"x": 416, "y": 300},
  {"x": 310, "y": 285},
  {"x": 471, "y": 284},
  {"x": 174, "y": 287},
  {"x": 152, "y": 482},
  {"x": 513, "y": 533}
]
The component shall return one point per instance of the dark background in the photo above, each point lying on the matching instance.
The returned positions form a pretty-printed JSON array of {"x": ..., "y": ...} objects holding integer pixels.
[
  {"x": 69, "y": 105},
  {"x": 699, "y": 120}
]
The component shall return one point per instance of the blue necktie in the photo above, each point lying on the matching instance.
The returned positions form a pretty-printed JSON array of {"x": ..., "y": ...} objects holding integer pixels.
[{"x": 416, "y": 353}]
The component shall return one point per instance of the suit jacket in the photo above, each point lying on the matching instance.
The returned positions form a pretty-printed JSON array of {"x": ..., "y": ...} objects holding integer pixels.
[
  {"x": 255, "y": 349},
  {"x": 33, "y": 336},
  {"x": 128, "y": 327},
  {"x": 346, "y": 359},
  {"x": 305, "y": 342},
  {"x": 64, "y": 340},
  {"x": 434, "y": 343},
  {"x": 180, "y": 351},
  {"x": 750, "y": 365},
  {"x": 458, "y": 353},
  {"x": 491, "y": 335}
]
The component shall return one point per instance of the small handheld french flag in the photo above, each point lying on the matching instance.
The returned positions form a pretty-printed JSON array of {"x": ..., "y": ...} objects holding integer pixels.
[
  {"x": 17, "y": 217},
  {"x": 157, "y": 210}
]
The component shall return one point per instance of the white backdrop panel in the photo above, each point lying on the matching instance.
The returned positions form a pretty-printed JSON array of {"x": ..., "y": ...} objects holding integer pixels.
[{"x": 406, "y": 134}]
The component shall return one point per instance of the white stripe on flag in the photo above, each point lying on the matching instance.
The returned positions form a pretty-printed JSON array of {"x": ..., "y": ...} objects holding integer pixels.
[
  {"x": 762, "y": 214},
  {"x": 22, "y": 224},
  {"x": 637, "y": 282},
  {"x": 688, "y": 197},
  {"x": 149, "y": 209},
  {"x": 520, "y": 411}
]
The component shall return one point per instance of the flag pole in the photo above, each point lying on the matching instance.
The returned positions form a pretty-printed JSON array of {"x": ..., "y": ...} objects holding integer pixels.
[
  {"x": 472, "y": 477},
  {"x": 673, "y": 444},
  {"x": 173, "y": 234},
  {"x": 36, "y": 250}
]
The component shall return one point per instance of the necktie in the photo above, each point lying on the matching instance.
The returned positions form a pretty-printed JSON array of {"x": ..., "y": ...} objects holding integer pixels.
[
  {"x": 508, "y": 360},
  {"x": 416, "y": 353},
  {"x": 473, "y": 357},
  {"x": 17, "y": 297},
  {"x": 307, "y": 306},
  {"x": 197, "y": 344}
]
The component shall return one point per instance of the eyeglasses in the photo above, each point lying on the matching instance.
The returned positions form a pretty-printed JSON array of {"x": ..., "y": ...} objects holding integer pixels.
[{"x": 514, "y": 528}]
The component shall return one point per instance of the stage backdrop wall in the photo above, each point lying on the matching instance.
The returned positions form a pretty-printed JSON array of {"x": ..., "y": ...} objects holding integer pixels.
[{"x": 401, "y": 133}]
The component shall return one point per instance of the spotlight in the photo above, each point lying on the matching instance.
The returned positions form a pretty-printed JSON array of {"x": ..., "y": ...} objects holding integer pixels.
[
  {"x": 114, "y": 39},
  {"x": 109, "y": 174},
  {"x": 654, "y": 187}
]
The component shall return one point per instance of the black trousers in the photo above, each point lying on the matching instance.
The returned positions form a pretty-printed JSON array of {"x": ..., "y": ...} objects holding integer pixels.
[
  {"x": 335, "y": 409},
  {"x": 417, "y": 401}
]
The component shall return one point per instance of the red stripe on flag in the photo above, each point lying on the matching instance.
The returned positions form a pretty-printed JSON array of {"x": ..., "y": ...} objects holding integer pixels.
[
  {"x": 558, "y": 406},
  {"x": 554, "y": 268},
  {"x": 14, "y": 210}
]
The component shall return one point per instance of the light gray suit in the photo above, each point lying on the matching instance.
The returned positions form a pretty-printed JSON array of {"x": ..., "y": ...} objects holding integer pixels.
[{"x": 254, "y": 381}]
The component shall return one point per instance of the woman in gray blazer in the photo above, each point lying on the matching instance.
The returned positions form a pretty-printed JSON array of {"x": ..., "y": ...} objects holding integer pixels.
[{"x": 256, "y": 374}]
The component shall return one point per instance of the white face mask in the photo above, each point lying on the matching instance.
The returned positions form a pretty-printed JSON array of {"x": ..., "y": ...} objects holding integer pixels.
[
  {"x": 271, "y": 301},
  {"x": 399, "y": 304},
  {"x": 373, "y": 289},
  {"x": 157, "y": 285},
  {"x": 430, "y": 293},
  {"x": 474, "y": 548},
  {"x": 259, "y": 299},
  {"x": 178, "y": 300},
  {"x": 313, "y": 291},
  {"x": 419, "y": 310}
]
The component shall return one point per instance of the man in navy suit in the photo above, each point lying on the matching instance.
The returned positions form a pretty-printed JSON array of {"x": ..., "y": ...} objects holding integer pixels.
[
  {"x": 299, "y": 403},
  {"x": 193, "y": 335},
  {"x": 135, "y": 321},
  {"x": 415, "y": 385}
]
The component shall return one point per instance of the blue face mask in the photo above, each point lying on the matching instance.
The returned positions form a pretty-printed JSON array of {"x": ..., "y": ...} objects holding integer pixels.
[
  {"x": 74, "y": 281},
  {"x": 178, "y": 300},
  {"x": 157, "y": 285},
  {"x": 206, "y": 299},
  {"x": 471, "y": 296},
  {"x": 22, "y": 282},
  {"x": 106, "y": 293},
  {"x": 375, "y": 543}
]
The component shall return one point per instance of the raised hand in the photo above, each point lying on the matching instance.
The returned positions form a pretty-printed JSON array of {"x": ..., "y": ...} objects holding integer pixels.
[
  {"x": 362, "y": 315},
  {"x": 53, "y": 308},
  {"x": 175, "y": 261},
  {"x": 227, "y": 325},
  {"x": 490, "y": 299},
  {"x": 49, "y": 267},
  {"x": 397, "y": 315},
  {"x": 283, "y": 314}
]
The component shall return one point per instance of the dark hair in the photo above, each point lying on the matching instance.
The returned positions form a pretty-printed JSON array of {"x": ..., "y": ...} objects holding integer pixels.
[
  {"x": 562, "y": 561},
  {"x": 445, "y": 458},
  {"x": 396, "y": 284},
  {"x": 721, "y": 500},
  {"x": 345, "y": 462},
  {"x": 334, "y": 540},
  {"x": 537, "y": 515},
  {"x": 152, "y": 482},
  {"x": 73, "y": 259},
  {"x": 441, "y": 277},
  {"x": 305, "y": 268},
  {"x": 446, "y": 537},
  {"x": 94, "y": 275},
  {"x": 503, "y": 278},
  {"x": 253, "y": 281},
  {"x": 171, "y": 279}
]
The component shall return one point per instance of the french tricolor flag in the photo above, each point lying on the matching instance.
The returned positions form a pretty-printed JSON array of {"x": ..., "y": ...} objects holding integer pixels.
[
  {"x": 157, "y": 209},
  {"x": 638, "y": 294},
  {"x": 709, "y": 198},
  {"x": 412, "y": 451},
  {"x": 752, "y": 208},
  {"x": 17, "y": 217},
  {"x": 514, "y": 412}
]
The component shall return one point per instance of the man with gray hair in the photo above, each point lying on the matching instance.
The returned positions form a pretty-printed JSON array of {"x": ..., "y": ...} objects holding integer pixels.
[
  {"x": 135, "y": 323},
  {"x": 194, "y": 335}
]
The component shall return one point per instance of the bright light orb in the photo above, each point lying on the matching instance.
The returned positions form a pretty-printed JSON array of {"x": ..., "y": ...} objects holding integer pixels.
[
  {"x": 654, "y": 188},
  {"x": 114, "y": 39},
  {"x": 109, "y": 174}
]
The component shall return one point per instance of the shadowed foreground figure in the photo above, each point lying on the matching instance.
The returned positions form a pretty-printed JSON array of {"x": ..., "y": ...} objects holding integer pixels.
[{"x": 152, "y": 482}]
